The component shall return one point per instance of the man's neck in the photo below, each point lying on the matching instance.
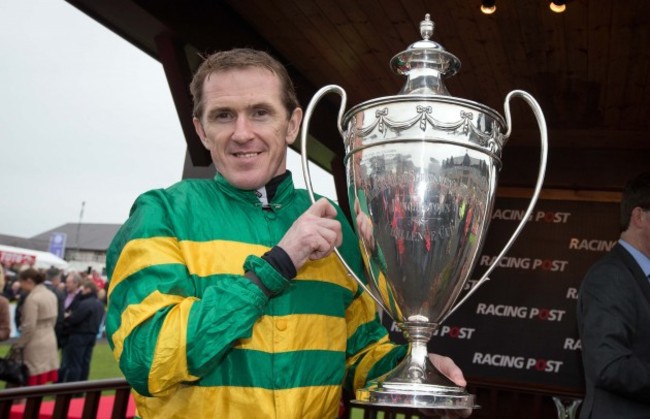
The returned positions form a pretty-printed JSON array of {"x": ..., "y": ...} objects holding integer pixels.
[{"x": 637, "y": 242}]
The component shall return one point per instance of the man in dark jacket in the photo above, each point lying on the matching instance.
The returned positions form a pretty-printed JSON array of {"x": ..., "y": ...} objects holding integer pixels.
[
  {"x": 614, "y": 314},
  {"x": 82, "y": 325}
]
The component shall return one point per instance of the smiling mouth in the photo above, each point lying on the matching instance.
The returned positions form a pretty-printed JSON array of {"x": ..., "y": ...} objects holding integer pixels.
[{"x": 246, "y": 155}]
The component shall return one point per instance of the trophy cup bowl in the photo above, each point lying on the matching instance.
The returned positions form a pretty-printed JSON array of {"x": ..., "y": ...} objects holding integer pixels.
[{"x": 422, "y": 169}]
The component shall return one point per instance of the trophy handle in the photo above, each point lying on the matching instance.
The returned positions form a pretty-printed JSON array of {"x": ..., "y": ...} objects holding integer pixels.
[
  {"x": 541, "y": 122},
  {"x": 305, "y": 165}
]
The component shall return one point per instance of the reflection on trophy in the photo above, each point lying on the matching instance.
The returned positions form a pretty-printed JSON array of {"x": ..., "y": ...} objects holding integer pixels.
[{"x": 422, "y": 169}]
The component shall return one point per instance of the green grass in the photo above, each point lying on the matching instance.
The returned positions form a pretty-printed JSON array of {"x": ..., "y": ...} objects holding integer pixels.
[{"x": 102, "y": 365}]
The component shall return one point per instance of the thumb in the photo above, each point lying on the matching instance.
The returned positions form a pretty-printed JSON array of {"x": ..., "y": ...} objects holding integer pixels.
[{"x": 322, "y": 208}]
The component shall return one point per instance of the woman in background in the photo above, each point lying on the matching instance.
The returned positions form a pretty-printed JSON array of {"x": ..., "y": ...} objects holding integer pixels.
[
  {"x": 5, "y": 315},
  {"x": 37, "y": 338}
]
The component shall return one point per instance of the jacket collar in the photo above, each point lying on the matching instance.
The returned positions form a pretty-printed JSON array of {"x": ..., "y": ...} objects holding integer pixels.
[
  {"x": 283, "y": 194},
  {"x": 635, "y": 269}
]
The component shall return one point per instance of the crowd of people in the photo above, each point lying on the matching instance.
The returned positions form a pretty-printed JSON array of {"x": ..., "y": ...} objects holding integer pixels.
[{"x": 58, "y": 316}]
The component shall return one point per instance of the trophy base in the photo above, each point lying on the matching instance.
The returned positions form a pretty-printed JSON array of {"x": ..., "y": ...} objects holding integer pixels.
[
  {"x": 416, "y": 382},
  {"x": 417, "y": 396}
]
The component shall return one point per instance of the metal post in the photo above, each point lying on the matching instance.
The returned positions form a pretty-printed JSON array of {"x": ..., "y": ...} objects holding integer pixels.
[{"x": 81, "y": 216}]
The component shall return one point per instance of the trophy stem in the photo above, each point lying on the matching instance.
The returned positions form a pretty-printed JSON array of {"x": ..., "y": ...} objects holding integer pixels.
[{"x": 415, "y": 382}]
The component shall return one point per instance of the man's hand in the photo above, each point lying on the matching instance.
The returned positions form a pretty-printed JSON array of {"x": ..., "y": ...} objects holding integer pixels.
[
  {"x": 364, "y": 226},
  {"x": 313, "y": 235},
  {"x": 449, "y": 368}
]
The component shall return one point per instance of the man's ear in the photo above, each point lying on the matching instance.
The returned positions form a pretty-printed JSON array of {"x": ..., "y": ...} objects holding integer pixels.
[
  {"x": 294, "y": 125},
  {"x": 638, "y": 217},
  {"x": 200, "y": 132}
]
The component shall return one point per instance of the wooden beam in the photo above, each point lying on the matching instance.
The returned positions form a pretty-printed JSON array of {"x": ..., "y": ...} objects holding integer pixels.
[{"x": 171, "y": 54}]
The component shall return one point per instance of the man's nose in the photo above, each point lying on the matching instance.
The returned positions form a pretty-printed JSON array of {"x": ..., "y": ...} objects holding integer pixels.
[{"x": 243, "y": 129}]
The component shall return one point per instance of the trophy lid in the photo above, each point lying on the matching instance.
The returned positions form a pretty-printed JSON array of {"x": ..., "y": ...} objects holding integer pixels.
[{"x": 425, "y": 63}]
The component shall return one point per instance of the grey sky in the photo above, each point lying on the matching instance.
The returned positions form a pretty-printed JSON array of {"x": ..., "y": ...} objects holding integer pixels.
[{"x": 84, "y": 116}]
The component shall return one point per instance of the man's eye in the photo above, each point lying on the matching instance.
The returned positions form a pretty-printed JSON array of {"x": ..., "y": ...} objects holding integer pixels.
[
  {"x": 220, "y": 116},
  {"x": 259, "y": 113}
]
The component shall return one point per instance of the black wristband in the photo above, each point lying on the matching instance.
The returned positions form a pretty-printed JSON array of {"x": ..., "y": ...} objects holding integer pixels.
[
  {"x": 255, "y": 280},
  {"x": 281, "y": 262}
]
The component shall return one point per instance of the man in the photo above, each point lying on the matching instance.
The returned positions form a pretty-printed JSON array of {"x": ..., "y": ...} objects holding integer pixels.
[
  {"x": 224, "y": 298},
  {"x": 72, "y": 290},
  {"x": 70, "y": 302},
  {"x": 82, "y": 325},
  {"x": 614, "y": 316}
]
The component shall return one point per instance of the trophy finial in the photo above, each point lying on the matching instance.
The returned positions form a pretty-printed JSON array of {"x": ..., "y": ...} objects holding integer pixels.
[
  {"x": 425, "y": 63},
  {"x": 426, "y": 27}
]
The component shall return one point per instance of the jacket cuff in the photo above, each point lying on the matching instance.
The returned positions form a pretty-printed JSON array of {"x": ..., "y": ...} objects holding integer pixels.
[{"x": 268, "y": 276}]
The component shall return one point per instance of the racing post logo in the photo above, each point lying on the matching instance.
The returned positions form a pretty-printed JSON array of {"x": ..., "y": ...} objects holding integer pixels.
[
  {"x": 517, "y": 362},
  {"x": 552, "y": 217},
  {"x": 591, "y": 245},
  {"x": 525, "y": 263},
  {"x": 520, "y": 312},
  {"x": 454, "y": 332}
]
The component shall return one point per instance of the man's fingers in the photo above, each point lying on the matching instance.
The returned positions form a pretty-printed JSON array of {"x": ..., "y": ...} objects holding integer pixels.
[
  {"x": 314, "y": 235},
  {"x": 322, "y": 208},
  {"x": 449, "y": 368},
  {"x": 327, "y": 239}
]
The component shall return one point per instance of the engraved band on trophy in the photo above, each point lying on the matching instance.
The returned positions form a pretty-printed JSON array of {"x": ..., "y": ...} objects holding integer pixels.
[{"x": 422, "y": 169}]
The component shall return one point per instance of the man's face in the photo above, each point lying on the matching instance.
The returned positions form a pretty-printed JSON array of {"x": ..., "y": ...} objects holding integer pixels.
[
  {"x": 245, "y": 126},
  {"x": 70, "y": 284}
]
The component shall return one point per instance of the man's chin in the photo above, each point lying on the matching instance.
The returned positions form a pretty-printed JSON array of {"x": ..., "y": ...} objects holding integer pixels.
[{"x": 247, "y": 183}]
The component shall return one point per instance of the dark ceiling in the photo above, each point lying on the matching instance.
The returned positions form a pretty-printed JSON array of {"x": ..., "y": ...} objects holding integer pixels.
[{"x": 589, "y": 67}]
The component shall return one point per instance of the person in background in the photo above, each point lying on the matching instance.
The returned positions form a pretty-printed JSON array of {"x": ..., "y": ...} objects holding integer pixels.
[
  {"x": 10, "y": 278},
  {"x": 82, "y": 325},
  {"x": 614, "y": 316},
  {"x": 73, "y": 283},
  {"x": 5, "y": 291},
  {"x": 37, "y": 339},
  {"x": 56, "y": 276},
  {"x": 5, "y": 314},
  {"x": 19, "y": 295},
  {"x": 225, "y": 299},
  {"x": 72, "y": 289},
  {"x": 101, "y": 284}
]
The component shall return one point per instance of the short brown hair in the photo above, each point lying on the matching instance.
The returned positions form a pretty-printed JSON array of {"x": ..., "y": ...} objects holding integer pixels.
[
  {"x": 33, "y": 274},
  {"x": 239, "y": 58},
  {"x": 87, "y": 283}
]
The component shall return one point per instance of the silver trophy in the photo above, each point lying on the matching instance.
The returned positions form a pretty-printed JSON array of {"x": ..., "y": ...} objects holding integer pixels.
[{"x": 422, "y": 169}]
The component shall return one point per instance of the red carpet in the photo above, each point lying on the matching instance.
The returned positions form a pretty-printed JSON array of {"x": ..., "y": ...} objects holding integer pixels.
[{"x": 76, "y": 408}]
